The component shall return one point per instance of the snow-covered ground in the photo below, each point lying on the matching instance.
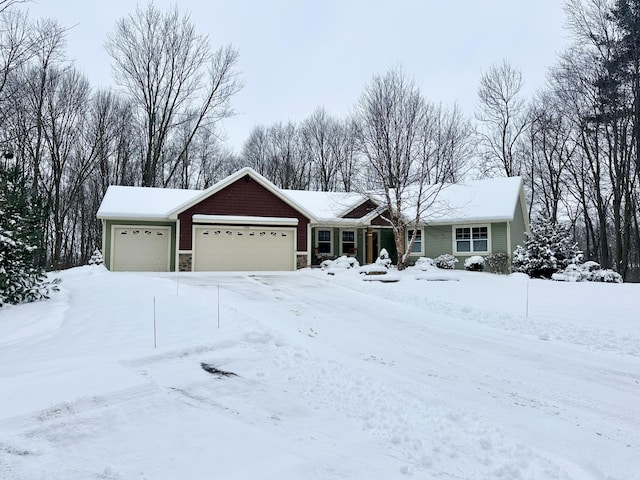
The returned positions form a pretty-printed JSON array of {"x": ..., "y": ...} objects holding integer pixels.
[{"x": 336, "y": 378}]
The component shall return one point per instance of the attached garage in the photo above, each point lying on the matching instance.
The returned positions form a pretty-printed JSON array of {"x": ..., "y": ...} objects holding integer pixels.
[
  {"x": 141, "y": 249},
  {"x": 224, "y": 243},
  {"x": 242, "y": 223},
  {"x": 233, "y": 248}
]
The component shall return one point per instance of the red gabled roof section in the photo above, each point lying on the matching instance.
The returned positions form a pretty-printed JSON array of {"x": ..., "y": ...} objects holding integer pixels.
[
  {"x": 245, "y": 196},
  {"x": 242, "y": 173}
]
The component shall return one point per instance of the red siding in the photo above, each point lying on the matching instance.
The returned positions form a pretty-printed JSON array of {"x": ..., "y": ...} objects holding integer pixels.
[
  {"x": 366, "y": 208},
  {"x": 380, "y": 221},
  {"x": 361, "y": 210},
  {"x": 244, "y": 197}
]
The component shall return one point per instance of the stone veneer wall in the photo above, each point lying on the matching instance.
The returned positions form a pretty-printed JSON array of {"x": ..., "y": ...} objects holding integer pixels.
[
  {"x": 184, "y": 262},
  {"x": 301, "y": 261}
]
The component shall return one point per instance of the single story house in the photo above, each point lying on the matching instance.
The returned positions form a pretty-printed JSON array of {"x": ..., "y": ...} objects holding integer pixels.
[{"x": 245, "y": 222}]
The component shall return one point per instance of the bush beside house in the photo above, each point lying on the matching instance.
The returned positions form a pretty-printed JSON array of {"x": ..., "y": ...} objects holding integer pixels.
[
  {"x": 498, "y": 262},
  {"x": 445, "y": 261},
  {"x": 474, "y": 263}
]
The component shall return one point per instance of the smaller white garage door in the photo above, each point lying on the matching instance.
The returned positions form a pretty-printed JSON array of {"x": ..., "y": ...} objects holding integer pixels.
[
  {"x": 140, "y": 249},
  {"x": 233, "y": 248}
]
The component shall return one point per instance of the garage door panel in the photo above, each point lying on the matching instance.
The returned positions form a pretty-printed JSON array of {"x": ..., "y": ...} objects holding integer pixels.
[
  {"x": 244, "y": 248},
  {"x": 141, "y": 249}
]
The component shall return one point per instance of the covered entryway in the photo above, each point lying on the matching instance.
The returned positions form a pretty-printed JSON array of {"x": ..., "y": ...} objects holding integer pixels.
[
  {"x": 140, "y": 249},
  {"x": 244, "y": 248}
]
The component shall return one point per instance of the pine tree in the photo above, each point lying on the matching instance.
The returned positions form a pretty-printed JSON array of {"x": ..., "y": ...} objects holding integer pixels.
[
  {"x": 546, "y": 250},
  {"x": 21, "y": 280},
  {"x": 626, "y": 59},
  {"x": 96, "y": 258}
]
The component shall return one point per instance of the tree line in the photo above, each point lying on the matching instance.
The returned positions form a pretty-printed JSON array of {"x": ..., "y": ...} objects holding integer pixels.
[{"x": 575, "y": 142}]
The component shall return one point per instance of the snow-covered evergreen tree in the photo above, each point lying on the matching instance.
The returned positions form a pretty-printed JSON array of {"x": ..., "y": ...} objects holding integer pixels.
[
  {"x": 20, "y": 279},
  {"x": 96, "y": 258},
  {"x": 546, "y": 250}
]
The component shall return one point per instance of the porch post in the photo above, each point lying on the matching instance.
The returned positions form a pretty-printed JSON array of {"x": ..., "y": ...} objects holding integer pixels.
[{"x": 369, "y": 243}]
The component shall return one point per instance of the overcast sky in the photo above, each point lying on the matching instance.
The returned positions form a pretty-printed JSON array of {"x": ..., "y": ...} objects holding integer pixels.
[{"x": 296, "y": 55}]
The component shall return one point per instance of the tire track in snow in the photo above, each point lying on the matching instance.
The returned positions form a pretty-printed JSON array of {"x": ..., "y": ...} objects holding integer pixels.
[
  {"x": 553, "y": 402},
  {"x": 429, "y": 438}
]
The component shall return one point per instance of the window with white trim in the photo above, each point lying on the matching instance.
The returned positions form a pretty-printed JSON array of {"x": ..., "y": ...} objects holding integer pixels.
[
  {"x": 348, "y": 242},
  {"x": 324, "y": 241},
  {"x": 472, "y": 239},
  {"x": 417, "y": 243}
]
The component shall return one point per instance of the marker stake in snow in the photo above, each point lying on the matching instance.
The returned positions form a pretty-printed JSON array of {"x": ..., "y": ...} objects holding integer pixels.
[
  {"x": 526, "y": 312},
  {"x": 155, "y": 336},
  {"x": 218, "y": 305}
]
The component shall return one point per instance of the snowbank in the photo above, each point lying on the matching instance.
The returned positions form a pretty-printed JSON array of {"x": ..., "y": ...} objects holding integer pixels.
[{"x": 487, "y": 377}]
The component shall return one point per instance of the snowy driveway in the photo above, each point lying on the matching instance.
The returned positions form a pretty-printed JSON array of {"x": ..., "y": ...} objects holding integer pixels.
[{"x": 337, "y": 378}]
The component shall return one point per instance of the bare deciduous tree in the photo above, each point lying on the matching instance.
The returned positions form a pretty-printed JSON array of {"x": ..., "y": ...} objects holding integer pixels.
[
  {"x": 70, "y": 161},
  {"x": 343, "y": 144},
  {"x": 7, "y": 4},
  {"x": 392, "y": 117},
  {"x": 278, "y": 153},
  {"x": 551, "y": 148},
  {"x": 16, "y": 44},
  {"x": 290, "y": 167},
  {"x": 595, "y": 80},
  {"x": 172, "y": 77},
  {"x": 503, "y": 118},
  {"x": 447, "y": 144},
  {"x": 317, "y": 133}
]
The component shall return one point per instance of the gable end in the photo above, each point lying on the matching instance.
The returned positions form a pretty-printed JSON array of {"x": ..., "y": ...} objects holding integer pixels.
[{"x": 243, "y": 198}]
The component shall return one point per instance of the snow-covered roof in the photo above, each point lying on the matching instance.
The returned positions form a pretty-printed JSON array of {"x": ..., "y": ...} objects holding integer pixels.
[
  {"x": 142, "y": 202},
  {"x": 326, "y": 206},
  {"x": 492, "y": 199},
  {"x": 473, "y": 201}
]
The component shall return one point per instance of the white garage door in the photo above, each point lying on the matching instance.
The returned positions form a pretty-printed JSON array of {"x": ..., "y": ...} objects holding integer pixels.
[
  {"x": 140, "y": 249},
  {"x": 233, "y": 248}
]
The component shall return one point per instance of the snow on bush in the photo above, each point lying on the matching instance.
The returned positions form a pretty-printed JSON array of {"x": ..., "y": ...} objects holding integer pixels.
[
  {"x": 379, "y": 267},
  {"x": 587, "y": 272},
  {"x": 606, "y": 276},
  {"x": 498, "y": 262},
  {"x": 547, "y": 249},
  {"x": 432, "y": 273},
  {"x": 343, "y": 262},
  {"x": 474, "y": 263},
  {"x": 446, "y": 261},
  {"x": 383, "y": 259},
  {"x": 424, "y": 263}
]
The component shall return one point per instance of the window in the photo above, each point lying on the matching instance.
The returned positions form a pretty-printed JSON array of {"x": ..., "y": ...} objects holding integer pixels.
[
  {"x": 324, "y": 241},
  {"x": 348, "y": 242},
  {"x": 472, "y": 239},
  {"x": 417, "y": 243}
]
